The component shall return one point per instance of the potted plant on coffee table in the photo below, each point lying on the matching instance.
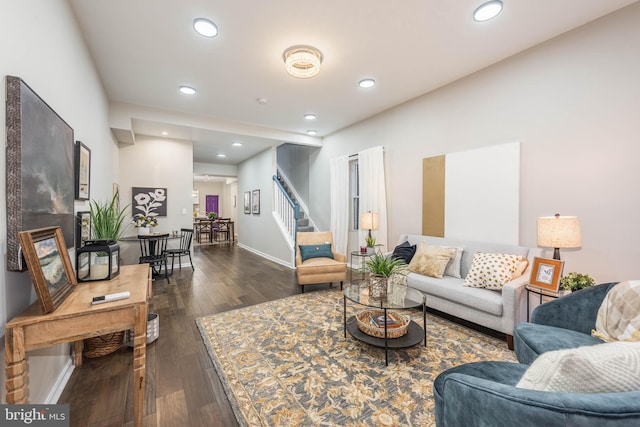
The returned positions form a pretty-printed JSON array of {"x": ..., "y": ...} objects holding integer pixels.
[{"x": 380, "y": 267}]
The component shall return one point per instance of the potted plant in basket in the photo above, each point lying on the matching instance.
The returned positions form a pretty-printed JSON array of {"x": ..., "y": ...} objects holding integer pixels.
[
  {"x": 576, "y": 281},
  {"x": 380, "y": 267}
]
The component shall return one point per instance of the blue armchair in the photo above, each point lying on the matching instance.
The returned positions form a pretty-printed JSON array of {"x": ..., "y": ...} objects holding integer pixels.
[{"x": 484, "y": 393}]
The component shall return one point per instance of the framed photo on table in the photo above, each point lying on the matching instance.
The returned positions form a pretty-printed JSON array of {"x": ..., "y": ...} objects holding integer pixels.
[
  {"x": 545, "y": 274},
  {"x": 49, "y": 266}
]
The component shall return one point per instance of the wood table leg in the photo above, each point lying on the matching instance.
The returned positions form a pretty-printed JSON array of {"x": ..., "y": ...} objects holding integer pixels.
[
  {"x": 139, "y": 363},
  {"x": 17, "y": 380},
  {"x": 78, "y": 347}
]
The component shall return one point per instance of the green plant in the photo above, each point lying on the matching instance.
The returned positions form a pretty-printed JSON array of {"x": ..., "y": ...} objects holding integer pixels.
[
  {"x": 212, "y": 215},
  {"x": 107, "y": 220},
  {"x": 382, "y": 265},
  {"x": 576, "y": 281},
  {"x": 370, "y": 241}
]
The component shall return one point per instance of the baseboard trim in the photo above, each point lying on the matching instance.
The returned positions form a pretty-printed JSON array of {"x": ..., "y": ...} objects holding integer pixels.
[
  {"x": 267, "y": 256},
  {"x": 61, "y": 383}
]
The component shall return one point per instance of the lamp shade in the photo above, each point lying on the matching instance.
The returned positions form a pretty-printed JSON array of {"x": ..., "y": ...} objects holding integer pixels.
[
  {"x": 559, "y": 232},
  {"x": 369, "y": 221}
]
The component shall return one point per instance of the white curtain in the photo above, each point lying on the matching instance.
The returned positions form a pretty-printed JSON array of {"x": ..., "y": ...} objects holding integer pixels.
[
  {"x": 340, "y": 203},
  {"x": 373, "y": 196}
]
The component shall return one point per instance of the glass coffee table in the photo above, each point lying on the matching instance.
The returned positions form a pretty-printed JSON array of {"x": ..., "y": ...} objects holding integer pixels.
[{"x": 398, "y": 297}]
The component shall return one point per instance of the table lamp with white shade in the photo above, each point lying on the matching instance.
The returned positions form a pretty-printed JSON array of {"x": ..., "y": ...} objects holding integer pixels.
[
  {"x": 369, "y": 220},
  {"x": 559, "y": 232}
]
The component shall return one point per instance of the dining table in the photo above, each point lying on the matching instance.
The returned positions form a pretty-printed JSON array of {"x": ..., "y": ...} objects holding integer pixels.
[{"x": 203, "y": 226}]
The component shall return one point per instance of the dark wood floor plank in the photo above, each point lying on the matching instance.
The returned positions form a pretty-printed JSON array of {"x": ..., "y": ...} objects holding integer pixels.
[{"x": 182, "y": 386}]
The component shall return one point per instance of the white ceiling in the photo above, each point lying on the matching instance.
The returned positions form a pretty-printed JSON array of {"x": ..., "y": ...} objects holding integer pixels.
[{"x": 145, "y": 49}]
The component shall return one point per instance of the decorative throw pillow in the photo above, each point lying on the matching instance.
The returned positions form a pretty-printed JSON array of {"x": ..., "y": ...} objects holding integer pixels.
[
  {"x": 602, "y": 368},
  {"x": 453, "y": 267},
  {"x": 404, "y": 251},
  {"x": 618, "y": 315},
  {"x": 520, "y": 269},
  {"x": 430, "y": 260},
  {"x": 492, "y": 271},
  {"x": 315, "y": 251}
]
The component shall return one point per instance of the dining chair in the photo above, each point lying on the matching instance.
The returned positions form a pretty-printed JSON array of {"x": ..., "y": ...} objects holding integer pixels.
[
  {"x": 186, "y": 234},
  {"x": 222, "y": 228},
  {"x": 202, "y": 228},
  {"x": 153, "y": 252}
]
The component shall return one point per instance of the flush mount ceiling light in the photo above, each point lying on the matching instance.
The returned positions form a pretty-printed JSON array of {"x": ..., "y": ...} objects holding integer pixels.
[
  {"x": 312, "y": 132},
  {"x": 310, "y": 116},
  {"x": 302, "y": 62},
  {"x": 366, "y": 83},
  {"x": 187, "y": 90},
  {"x": 487, "y": 11},
  {"x": 205, "y": 27}
]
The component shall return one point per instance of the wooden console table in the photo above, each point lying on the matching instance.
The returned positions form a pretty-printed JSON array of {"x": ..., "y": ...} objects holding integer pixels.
[{"x": 76, "y": 319}]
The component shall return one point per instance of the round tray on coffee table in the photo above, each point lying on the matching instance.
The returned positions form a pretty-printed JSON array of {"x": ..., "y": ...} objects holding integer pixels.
[{"x": 398, "y": 297}]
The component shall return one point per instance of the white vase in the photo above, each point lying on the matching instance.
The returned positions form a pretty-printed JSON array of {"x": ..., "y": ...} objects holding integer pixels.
[{"x": 144, "y": 231}]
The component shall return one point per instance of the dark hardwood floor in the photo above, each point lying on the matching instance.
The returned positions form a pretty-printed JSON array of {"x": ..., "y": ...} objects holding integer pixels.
[{"x": 182, "y": 386}]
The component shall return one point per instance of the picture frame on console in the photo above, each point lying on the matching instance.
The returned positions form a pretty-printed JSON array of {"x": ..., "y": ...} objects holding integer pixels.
[
  {"x": 546, "y": 273},
  {"x": 49, "y": 266}
]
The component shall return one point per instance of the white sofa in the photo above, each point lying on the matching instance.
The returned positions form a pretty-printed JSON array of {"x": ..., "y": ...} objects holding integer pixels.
[{"x": 497, "y": 310}]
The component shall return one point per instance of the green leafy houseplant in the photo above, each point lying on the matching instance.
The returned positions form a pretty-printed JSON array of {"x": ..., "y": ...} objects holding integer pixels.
[
  {"x": 576, "y": 281},
  {"x": 370, "y": 241},
  {"x": 382, "y": 265},
  {"x": 212, "y": 215},
  {"x": 107, "y": 221}
]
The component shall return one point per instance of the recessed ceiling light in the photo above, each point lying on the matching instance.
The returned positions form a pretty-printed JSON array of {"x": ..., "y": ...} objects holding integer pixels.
[
  {"x": 488, "y": 10},
  {"x": 187, "y": 90},
  {"x": 165, "y": 133},
  {"x": 222, "y": 155},
  {"x": 366, "y": 83},
  {"x": 236, "y": 144},
  {"x": 312, "y": 132},
  {"x": 310, "y": 116},
  {"x": 205, "y": 27}
]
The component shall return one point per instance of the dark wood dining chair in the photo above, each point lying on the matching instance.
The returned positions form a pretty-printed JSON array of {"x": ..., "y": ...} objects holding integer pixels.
[
  {"x": 202, "y": 228},
  {"x": 222, "y": 228},
  {"x": 186, "y": 235},
  {"x": 153, "y": 252}
]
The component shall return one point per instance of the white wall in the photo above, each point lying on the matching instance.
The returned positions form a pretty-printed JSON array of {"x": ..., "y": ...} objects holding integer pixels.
[
  {"x": 573, "y": 102},
  {"x": 260, "y": 233},
  {"x": 163, "y": 163},
  {"x": 41, "y": 43}
]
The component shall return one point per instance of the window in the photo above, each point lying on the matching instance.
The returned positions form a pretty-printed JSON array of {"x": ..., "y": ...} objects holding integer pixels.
[{"x": 354, "y": 194}]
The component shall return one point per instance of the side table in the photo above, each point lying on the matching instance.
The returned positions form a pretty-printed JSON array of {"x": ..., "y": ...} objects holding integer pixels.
[
  {"x": 541, "y": 293},
  {"x": 361, "y": 259}
]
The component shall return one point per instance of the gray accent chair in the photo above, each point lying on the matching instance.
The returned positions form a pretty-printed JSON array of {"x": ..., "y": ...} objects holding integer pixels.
[{"x": 484, "y": 393}]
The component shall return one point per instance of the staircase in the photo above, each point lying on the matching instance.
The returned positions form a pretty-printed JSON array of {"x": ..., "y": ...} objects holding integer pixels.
[{"x": 303, "y": 221}]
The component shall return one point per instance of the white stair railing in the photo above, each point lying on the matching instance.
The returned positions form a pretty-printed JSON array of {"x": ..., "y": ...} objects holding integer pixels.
[{"x": 286, "y": 211}]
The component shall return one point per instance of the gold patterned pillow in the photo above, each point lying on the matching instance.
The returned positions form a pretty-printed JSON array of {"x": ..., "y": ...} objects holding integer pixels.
[
  {"x": 431, "y": 260},
  {"x": 492, "y": 271}
]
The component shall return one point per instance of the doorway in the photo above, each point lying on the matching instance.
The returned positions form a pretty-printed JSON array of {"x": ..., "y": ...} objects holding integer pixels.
[{"x": 211, "y": 203}]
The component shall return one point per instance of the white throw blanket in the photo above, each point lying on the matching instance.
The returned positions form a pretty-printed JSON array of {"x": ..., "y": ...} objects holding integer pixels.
[{"x": 619, "y": 314}]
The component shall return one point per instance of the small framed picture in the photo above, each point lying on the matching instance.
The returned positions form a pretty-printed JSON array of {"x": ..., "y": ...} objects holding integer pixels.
[
  {"x": 247, "y": 202},
  {"x": 83, "y": 228},
  {"x": 49, "y": 266},
  {"x": 545, "y": 274},
  {"x": 255, "y": 200},
  {"x": 82, "y": 171}
]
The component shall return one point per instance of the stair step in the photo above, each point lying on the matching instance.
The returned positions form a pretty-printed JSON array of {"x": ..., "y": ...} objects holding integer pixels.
[
  {"x": 305, "y": 229},
  {"x": 303, "y": 223}
]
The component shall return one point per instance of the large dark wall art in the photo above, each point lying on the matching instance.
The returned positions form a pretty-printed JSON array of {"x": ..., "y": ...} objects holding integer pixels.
[{"x": 40, "y": 187}]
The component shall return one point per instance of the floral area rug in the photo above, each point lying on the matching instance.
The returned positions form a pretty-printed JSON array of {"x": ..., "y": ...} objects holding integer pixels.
[{"x": 287, "y": 363}]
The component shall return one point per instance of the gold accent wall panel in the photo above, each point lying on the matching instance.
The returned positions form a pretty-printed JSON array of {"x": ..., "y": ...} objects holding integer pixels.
[{"x": 433, "y": 187}]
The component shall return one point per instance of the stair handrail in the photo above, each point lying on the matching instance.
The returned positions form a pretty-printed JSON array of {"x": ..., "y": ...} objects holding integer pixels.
[{"x": 286, "y": 210}]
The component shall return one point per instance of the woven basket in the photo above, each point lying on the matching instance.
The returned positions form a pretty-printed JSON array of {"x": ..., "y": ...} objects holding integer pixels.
[
  {"x": 103, "y": 344},
  {"x": 365, "y": 325}
]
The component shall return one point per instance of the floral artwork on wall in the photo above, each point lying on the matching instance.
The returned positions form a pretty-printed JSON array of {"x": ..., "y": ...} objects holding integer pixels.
[{"x": 149, "y": 201}]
